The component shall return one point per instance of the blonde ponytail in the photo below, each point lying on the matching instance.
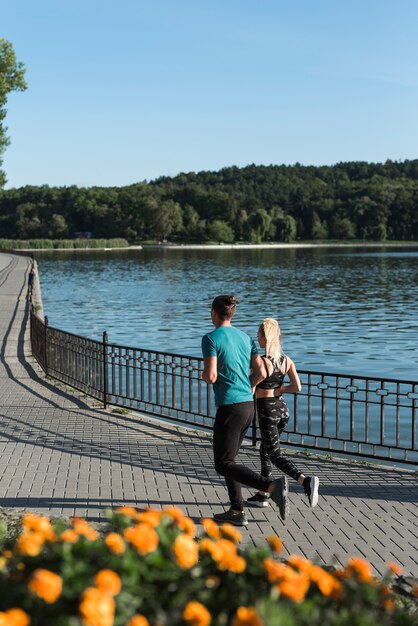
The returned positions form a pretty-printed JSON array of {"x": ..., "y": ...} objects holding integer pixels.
[{"x": 271, "y": 331}]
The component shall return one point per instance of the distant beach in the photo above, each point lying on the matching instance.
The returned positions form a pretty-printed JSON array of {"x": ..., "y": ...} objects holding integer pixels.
[
  {"x": 267, "y": 246},
  {"x": 235, "y": 246}
]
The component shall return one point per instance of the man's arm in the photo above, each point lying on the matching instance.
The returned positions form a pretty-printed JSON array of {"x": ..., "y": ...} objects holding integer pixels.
[
  {"x": 258, "y": 371},
  {"x": 210, "y": 369}
]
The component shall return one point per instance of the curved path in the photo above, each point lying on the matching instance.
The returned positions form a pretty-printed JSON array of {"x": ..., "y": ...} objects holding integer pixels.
[{"x": 60, "y": 456}]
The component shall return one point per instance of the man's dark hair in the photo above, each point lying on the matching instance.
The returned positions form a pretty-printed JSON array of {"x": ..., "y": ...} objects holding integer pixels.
[{"x": 225, "y": 306}]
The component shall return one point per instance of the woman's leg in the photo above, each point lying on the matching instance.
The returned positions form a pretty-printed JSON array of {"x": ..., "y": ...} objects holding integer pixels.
[
  {"x": 266, "y": 466},
  {"x": 273, "y": 415},
  {"x": 231, "y": 423}
]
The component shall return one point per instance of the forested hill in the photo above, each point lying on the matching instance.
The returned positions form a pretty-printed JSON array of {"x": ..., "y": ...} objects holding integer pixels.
[{"x": 356, "y": 200}]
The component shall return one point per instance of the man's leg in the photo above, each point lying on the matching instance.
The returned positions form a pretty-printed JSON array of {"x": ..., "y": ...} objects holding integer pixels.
[
  {"x": 231, "y": 424},
  {"x": 229, "y": 431}
]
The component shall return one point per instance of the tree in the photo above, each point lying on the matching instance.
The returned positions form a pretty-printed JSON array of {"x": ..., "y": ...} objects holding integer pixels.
[
  {"x": 28, "y": 222},
  {"x": 286, "y": 228},
  {"x": 219, "y": 230},
  {"x": 166, "y": 220},
  {"x": 259, "y": 226},
  {"x": 319, "y": 229},
  {"x": 12, "y": 78},
  {"x": 193, "y": 226},
  {"x": 342, "y": 228},
  {"x": 58, "y": 227}
]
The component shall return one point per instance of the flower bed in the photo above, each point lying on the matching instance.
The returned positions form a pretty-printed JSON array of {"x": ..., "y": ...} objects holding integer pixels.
[{"x": 149, "y": 569}]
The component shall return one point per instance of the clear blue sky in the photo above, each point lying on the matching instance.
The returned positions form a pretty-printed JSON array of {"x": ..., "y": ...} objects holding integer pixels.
[{"x": 120, "y": 92}]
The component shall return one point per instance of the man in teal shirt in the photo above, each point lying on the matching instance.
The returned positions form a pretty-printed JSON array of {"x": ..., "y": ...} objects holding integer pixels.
[{"x": 229, "y": 354}]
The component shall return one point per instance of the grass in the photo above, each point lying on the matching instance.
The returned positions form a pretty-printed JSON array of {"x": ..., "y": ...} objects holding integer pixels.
[{"x": 53, "y": 244}]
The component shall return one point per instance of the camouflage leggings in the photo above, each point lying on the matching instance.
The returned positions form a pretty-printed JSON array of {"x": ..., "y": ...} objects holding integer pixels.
[{"x": 273, "y": 415}]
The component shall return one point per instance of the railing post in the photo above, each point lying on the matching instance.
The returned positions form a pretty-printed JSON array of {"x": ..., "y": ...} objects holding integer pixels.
[
  {"x": 105, "y": 367},
  {"x": 31, "y": 326},
  {"x": 46, "y": 344}
]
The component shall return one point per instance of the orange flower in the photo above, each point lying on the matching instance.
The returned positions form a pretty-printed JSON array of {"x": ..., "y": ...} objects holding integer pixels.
[
  {"x": 361, "y": 569},
  {"x": 129, "y": 511},
  {"x": 385, "y": 591},
  {"x": 115, "y": 543},
  {"x": 186, "y": 551},
  {"x": 70, "y": 536},
  {"x": 231, "y": 533},
  {"x": 415, "y": 591},
  {"x": 97, "y": 608},
  {"x": 152, "y": 518},
  {"x": 39, "y": 524},
  {"x": 143, "y": 537},
  {"x": 138, "y": 620},
  {"x": 290, "y": 583},
  {"x": 187, "y": 525},
  {"x": 195, "y": 614},
  {"x": 227, "y": 557},
  {"x": 237, "y": 565},
  {"x": 295, "y": 588},
  {"x": 211, "y": 582},
  {"x": 275, "y": 544},
  {"x": 302, "y": 564},
  {"x": 327, "y": 584},
  {"x": 83, "y": 528},
  {"x": 389, "y": 604},
  {"x": 46, "y": 585},
  {"x": 275, "y": 571},
  {"x": 395, "y": 569},
  {"x": 108, "y": 581},
  {"x": 211, "y": 547},
  {"x": 342, "y": 574},
  {"x": 247, "y": 616},
  {"x": 174, "y": 512},
  {"x": 30, "y": 543},
  {"x": 14, "y": 617},
  {"x": 211, "y": 528}
]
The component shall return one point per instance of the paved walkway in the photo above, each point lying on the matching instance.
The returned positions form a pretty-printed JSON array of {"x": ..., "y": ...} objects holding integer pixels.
[{"x": 59, "y": 456}]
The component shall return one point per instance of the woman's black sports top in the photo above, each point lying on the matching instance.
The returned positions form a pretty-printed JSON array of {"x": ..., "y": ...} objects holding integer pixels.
[{"x": 275, "y": 380}]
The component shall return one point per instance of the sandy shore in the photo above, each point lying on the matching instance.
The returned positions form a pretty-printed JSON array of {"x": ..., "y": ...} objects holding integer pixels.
[
  {"x": 269, "y": 246},
  {"x": 235, "y": 246}
]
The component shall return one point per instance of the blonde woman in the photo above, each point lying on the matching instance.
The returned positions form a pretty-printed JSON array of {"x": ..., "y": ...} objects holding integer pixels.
[{"x": 273, "y": 412}]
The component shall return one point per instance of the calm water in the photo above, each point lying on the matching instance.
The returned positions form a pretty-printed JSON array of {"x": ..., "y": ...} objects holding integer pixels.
[{"x": 349, "y": 310}]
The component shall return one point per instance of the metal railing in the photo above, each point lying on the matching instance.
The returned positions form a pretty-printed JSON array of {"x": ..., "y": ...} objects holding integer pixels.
[{"x": 356, "y": 415}]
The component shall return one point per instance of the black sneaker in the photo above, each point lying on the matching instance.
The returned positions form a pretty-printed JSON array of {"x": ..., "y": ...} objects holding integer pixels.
[
  {"x": 279, "y": 496},
  {"x": 311, "y": 486},
  {"x": 258, "y": 500},
  {"x": 237, "y": 518}
]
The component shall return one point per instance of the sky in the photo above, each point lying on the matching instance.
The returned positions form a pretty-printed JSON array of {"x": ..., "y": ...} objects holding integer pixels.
[{"x": 127, "y": 91}]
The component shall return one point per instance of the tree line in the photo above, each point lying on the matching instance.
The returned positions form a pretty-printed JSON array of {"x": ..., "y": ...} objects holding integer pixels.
[{"x": 346, "y": 201}]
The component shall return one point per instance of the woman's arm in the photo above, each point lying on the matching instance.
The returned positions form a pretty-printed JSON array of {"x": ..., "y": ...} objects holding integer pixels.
[
  {"x": 210, "y": 369},
  {"x": 295, "y": 385}
]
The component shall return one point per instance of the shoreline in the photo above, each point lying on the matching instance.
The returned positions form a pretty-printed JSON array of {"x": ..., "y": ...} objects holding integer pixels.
[
  {"x": 230, "y": 246},
  {"x": 274, "y": 246}
]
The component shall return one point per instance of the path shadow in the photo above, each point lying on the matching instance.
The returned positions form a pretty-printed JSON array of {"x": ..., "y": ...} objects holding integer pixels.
[{"x": 22, "y": 360}]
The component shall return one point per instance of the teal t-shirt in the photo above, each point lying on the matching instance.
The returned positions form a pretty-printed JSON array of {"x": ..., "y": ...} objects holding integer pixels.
[{"x": 234, "y": 350}]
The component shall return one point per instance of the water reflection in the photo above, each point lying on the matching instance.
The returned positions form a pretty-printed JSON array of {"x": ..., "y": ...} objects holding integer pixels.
[{"x": 340, "y": 310}]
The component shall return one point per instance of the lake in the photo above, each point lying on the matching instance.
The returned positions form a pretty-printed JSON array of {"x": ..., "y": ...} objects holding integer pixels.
[{"x": 343, "y": 309}]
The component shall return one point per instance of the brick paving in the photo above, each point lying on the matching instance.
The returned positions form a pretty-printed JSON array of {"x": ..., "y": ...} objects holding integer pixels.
[{"x": 62, "y": 456}]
